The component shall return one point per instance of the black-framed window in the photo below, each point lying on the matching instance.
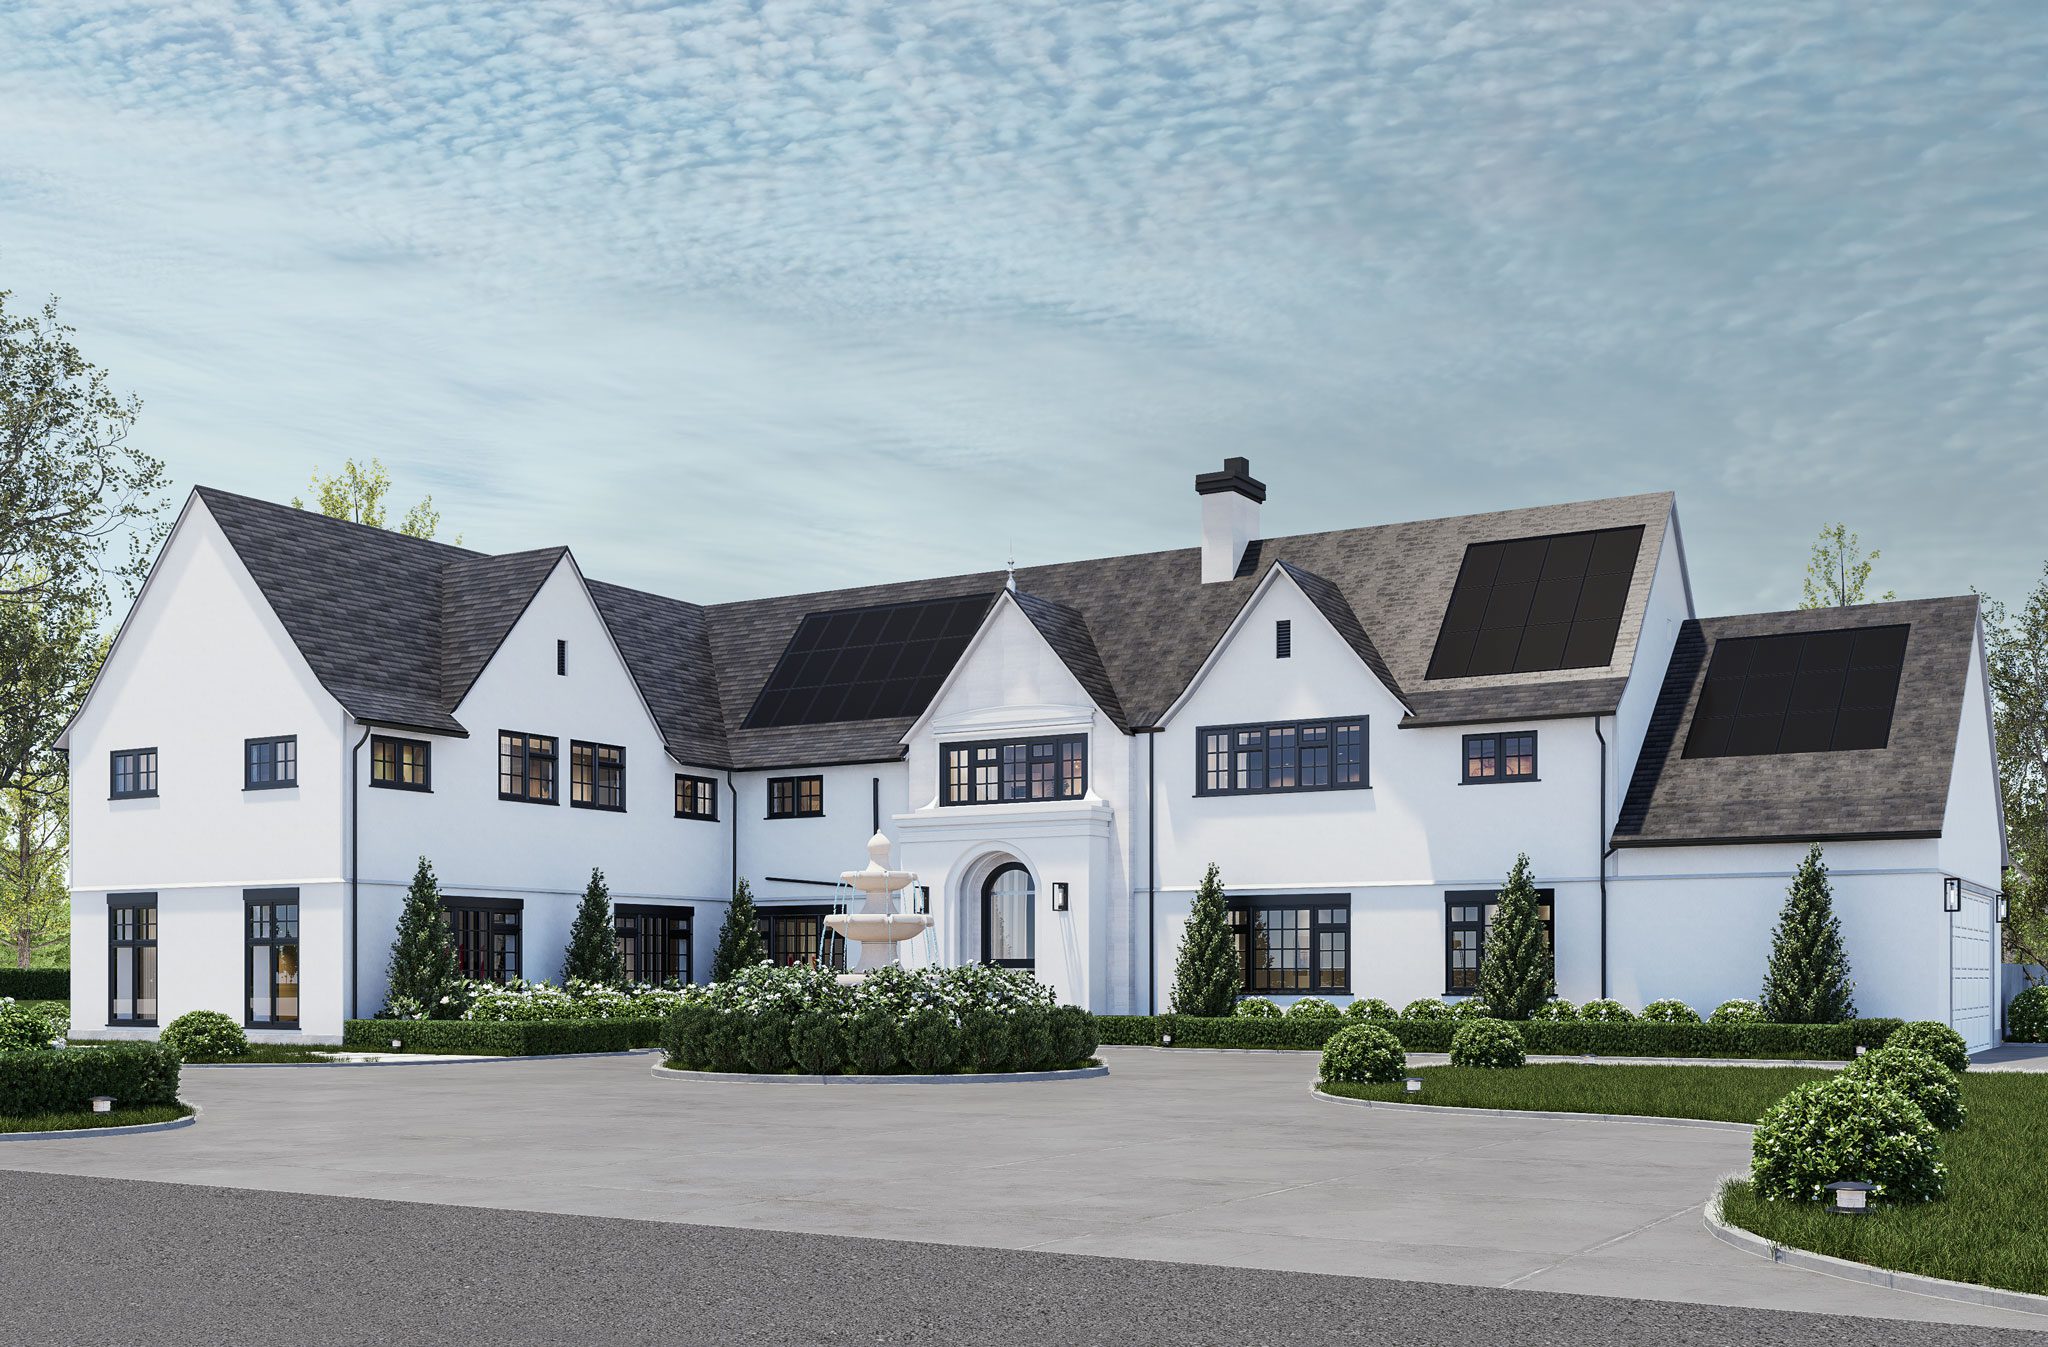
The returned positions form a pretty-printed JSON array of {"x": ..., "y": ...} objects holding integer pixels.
[
  {"x": 131, "y": 958},
  {"x": 799, "y": 936},
  {"x": 1010, "y": 771},
  {"x": 1467, "y": 915},
  {"x": 1283, "y": 639},
  {"x": 654, "y": 942},
  {"x": 1286, "y": 755},
  {"x": 486, "y": 933},
  {"x": 597, "y": 776},
  {"x": 1491, "y": 758},
  {"x": 270, "y": 764},
  {"x": 272, "y": 965},
  {"x": 696, "y": 797},
  {"x": 526, "y": 767},
  {"x": 401, "y": 764},
  {"x": 796, "y": 796},
  {"x": 131, "y": 773},
  {"x": 1293, "y": 946}
]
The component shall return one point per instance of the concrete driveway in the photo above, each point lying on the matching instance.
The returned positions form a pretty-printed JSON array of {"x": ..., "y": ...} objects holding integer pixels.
[{"x": 1193, "y": 1157}]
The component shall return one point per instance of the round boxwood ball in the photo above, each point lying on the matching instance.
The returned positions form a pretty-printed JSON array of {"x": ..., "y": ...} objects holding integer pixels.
[
  {"x": 1670, "y": 1012},
  {"x": 1935, "y": 1039},
  {"x": 1427, "y": 1009},
  {"x": 1557, "y": 1010},
  {"x": 1737, "y": 1010},
  {"x": 1930, "y": 1085},
  {"x": 1848, "y": 1126},
  {"x": 1256, "y": 1008},
  {"x": 1606, "y": 1010},
  {"x": 1472, "y": 1008},
  {"x": 205, "y": 1036},
  {"x": 1312, "y": 1008},
  {"x": 2026, "y": 1019},
  {"x": 1372, "y": 1010},
  {"x": 1486, "y": 1043},
  {"x": 1364, "y": 1054}
]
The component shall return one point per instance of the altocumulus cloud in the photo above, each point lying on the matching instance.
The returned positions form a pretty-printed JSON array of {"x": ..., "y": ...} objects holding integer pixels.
[{"x": 743, "y": 297}]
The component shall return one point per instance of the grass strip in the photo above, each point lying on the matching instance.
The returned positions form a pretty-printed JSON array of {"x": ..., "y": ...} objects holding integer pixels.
[
  {"x": 120, "y": 1117},
  {"x": 1723, "y": 1093}
]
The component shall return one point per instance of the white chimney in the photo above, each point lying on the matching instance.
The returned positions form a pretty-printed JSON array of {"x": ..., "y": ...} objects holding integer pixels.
[{"x": 1230, "y": 517}]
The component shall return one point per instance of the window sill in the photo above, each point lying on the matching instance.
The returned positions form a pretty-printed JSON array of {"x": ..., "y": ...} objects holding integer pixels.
[
  {"x": 523, "y": 799},
  {"x": 699, "y": 818},
  {"x": 135, "y": 795},
  {"x": 1280, "y": 790},
  {"x": 275, "y": 785},
  {"x": 598, "y": 808},
  {"x": 1501, "y": 781},
  {"x": 785, "y": 818},
  {"x": 415, "y": 790}
]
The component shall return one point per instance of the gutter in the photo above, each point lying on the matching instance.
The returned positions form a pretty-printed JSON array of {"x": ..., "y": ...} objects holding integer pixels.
[{"x": 355, "y": 870}]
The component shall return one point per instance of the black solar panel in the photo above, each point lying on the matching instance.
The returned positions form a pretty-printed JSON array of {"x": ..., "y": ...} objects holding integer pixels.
[
  {"x": 1807, "y": 692},
  {"x": 1534, "y": 604},
  {"x": 867, "y": 663}
]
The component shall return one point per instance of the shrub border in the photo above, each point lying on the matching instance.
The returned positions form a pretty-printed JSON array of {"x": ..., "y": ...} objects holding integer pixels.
[
  {"x": 1832, "y": 1043},
  {"x": 1654, "y": 1120},
  {"x": 125, "y": 1130},
  {"x": 1096, "y": 1071},
  {"x": 501, "y": 1038}
]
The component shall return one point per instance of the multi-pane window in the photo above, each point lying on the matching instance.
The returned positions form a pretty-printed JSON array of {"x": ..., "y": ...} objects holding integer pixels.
[
  {"x": 1281, "y": 756},
  {"x": 654, "y": 942},
  {"x": 1294, "y": 945},
  {"x": 273, "y": 958},
  {"x": 796, "y": 796},
  {"x": 131, "y": 773},
  {"x": 486, "y": 934},
  {"x": 401, "y": 764},
  {"x": 270, "y": 764},
  {"x": 131, "y": 958},
  {"x": 1500, "y": 757},
  {"x": 1467, "y": 916},
  {"x": 799, "y": 935},
  {"x": 526, "y": 767},
  {"x": 597, "y": 776},
  {"x": 696, "y": 797},
  {"x": 1008, "y": 771}
]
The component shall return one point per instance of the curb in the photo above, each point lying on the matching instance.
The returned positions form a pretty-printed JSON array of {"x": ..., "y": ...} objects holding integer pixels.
[
  {"x": 1937, "y": 1288},
  {"x": 991, "y": 1078},
  {"x": 132, "y": 1129},
  {"x": 1707, "y": 1124},
  {"x": 419, "y": 1059}
]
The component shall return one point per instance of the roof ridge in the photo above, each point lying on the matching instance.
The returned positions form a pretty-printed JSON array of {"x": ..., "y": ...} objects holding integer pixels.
[{"x": 321, "y": 520}]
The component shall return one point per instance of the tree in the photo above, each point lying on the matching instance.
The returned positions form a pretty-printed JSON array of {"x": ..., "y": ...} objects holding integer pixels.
[
  {"x": 357, "y": 495},
  {"x": 593, "y": 953},
  {"x": 50, "y": 649},
  {"x": 739, "y": 939},
  {"x": 1515, "y": 974},
  {"x": 422, "y": 974},
  {"x": 1807, "y": 978},
  {"x": 1208, "y": 974},
  {"x": 1838, "y": 574},
  {"x": 35, "y": 893},
  {"x": 2016, "y": 647}
]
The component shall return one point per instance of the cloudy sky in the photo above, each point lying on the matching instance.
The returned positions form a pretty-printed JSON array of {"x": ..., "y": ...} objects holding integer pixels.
[{"x": 744, "y": 298}]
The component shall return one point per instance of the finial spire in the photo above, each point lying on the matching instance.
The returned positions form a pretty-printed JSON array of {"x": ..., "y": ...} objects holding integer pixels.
[{"x": 1011, "y": 583}]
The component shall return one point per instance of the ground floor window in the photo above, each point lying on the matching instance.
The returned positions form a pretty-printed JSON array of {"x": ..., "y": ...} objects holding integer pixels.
[
  {"x": 486, "y": 933},
  {"x": 1294, "y": 945},
  {"x": 1007, "y": 917},
  {"x": 654, "y": 942},
  {"x": 799, "y": 935},
  {"x": 273, "y": 962},
  {"x": 1467, "y": 915},
  {"x": 131, "y": 958}
]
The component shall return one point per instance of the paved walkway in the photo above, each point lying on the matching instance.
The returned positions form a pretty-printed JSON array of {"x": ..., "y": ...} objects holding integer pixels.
[
  {"x": 2012, "y": 1057},
  {"x": 1219, "y": 1158}
]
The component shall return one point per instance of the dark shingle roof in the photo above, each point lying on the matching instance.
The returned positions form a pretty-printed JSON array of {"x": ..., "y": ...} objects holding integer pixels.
[
  {"x": 1330, "y": 601},
  {"x": 1066, "y": 631},
  {"x": 1900, "y": 790}
]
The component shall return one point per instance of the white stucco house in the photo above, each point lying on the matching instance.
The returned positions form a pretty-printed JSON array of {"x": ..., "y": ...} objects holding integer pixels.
[{"x": 1362, "y": 728}]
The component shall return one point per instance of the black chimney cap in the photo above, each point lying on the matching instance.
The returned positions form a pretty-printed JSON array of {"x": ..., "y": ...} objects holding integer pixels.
[{"x": 1236, "y": 476}]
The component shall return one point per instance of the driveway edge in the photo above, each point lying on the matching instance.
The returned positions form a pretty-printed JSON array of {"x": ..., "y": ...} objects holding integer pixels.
[
  {"x": 131, "y": 1129},
  {"x": 990, "y": 1078},
  {"x": 1708, "y": 1124},
  {"x": 421, "y": 1059}
]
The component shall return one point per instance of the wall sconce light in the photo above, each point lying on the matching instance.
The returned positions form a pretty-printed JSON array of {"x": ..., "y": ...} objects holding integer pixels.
[
  {"x": 1951, "y": 894},
  {"x": 921, "y": 899},
  {"x": 103, "y": 1103},
  {"x": 2001, "y": 907},
  {"x": 1059, "y": 895},
  {"x": 1852, "y": 1197}
]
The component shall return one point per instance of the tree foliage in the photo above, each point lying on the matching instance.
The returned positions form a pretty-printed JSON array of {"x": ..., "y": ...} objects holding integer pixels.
[
  {"x": 739, "y": 939},
  {"x": 1515, "y": 974},
  {"x": 1838, "y": 574},
  {"x": 357, "y": 493},
  {"x": 1207, "y": 976},
  {"x": 2016, "y": 644},
  {"x": 422, "y": 973},
  {"x": 1807, "y": 978},
  {"x": 35, "y": 892},
  {"x": 593, "y": 952}
]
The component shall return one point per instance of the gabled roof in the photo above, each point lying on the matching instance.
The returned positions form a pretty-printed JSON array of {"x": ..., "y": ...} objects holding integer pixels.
[
  {"x": 1066, "y": 631},
  {"x": 481, "y": 598},
  {"x": 1330, "y": 601},
  {"x": 1899, "y": 791}
]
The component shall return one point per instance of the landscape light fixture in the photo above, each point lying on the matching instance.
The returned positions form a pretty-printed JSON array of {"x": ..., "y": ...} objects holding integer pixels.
[
  {"x": 1852, "y": 1197},
  {"x": 1861, "y": 1049},
  {"x": 396, "y": 1044},
  {"x": 103, "y": 1103},
  {"x": 1166, "y": 1040},
  {"x": 1412, "y": 1085},
  {"x": 1059, "y": 895},
  {"x": 1951, "y": 894}
]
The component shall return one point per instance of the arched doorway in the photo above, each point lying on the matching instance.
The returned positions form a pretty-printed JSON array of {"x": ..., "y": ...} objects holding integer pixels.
[{"x": 1006, "y": 916}]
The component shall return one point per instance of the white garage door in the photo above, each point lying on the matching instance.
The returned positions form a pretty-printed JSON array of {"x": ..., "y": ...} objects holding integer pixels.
[{"x": 1970, "y": 968}]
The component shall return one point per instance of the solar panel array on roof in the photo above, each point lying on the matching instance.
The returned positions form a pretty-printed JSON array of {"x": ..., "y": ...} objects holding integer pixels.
[
  {"x": 867, "y": 663},
  {"x": 1536, "y": 604},
  {"x": 1806, "y": 692}
]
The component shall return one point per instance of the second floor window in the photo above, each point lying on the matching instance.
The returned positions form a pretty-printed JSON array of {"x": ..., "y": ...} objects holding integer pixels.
[
  {"x": 1500, "y": 757},
  {"x": 401, "y": 764},
  {"x": 796, "y": 796},
  {"x": 1282, "y": 756},
  {"x": 131, "y": 773},
  {"x": 270, "y": 764},
  {"x": 597, "y": 776},
  {"x": 1013, "y": 770},
  {"x": 696, "y": 797},
  {"x": 526, "y": 767}
]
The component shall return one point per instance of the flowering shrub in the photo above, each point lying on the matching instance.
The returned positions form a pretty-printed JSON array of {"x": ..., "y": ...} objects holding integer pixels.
[
  {"x": 1427, "y": 1008},
  {"x": 204, "y": 1036},
  {"x": 1486, "y": 1043},
  {"x": 1670, "y": 1012},
  {"x": 1849, "y": 1126},
  {"x": 1256, "y": 1008},
  {"x": 1472, "y": 1008},
  {"x": 525, "y": 1001},
  {"x": 1555, "y": 1009},
  {"x": 1605, "y": 1009},
  {"x": 2026, "y": 1019},
  {"x": 1312, "y": 1008},
  {"x": 1935, "y": 1039},
  {"x": 1372, "y": 1010},
  {"x": 1737, "y": 1010},
  {"x": 1364, "y": 1054},
  {"x": 25, "y": 1028},
  {"x": 1932, "y": 1087}
]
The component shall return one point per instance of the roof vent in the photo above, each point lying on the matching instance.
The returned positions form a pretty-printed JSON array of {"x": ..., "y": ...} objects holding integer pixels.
[{"x": 1230, "y": 517}]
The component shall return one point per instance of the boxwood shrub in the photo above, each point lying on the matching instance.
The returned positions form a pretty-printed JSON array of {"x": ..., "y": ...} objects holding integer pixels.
[
  {"x": 1737, "y": 1010},
  {"x": 1372, "y": 1010},
  {"x": 1364, "y": 1054},
  {"x": 1848, "y": 1126},
  {"x": 1935, "y": 1039},
  {"x": 1129, "y": 1031},
  {"x": 1313, "y": 1008},
  {"x": 1425, "y": 1008},
  {"x": 30, "y": 1028},
  {"x": 136, "y": 1075},
  {"x": 1670, "y": 1011},
  {"x": 1555, "y": 1009},
  {"x": 205, "y": 1036},
  {"x": 515, "y": 1038},
  {"x": 2026, "y": 1019},
  {"x": 1931, "y": 1086},
  {"x": 1491, "y": 1044},
  {"x": 1255, "y": 1008},
  {"x": 1570, "y": 1038},
  {"x": 35, "y": 984}
]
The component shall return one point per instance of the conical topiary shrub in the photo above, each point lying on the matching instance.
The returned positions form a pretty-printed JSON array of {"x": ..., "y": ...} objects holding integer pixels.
[
  {"x": 739, "y": 939},
  {"x": 421, "y": 977},
  {"x": 1515, "y": 973},
  {"x": 593, "y": 952},
  {"x": 1807, "y": 979},
  {"x": 1208, "y": 973}
]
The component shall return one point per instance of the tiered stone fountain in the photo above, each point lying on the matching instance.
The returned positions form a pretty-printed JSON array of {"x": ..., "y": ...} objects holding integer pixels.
[{"x": 878, "y": 928}]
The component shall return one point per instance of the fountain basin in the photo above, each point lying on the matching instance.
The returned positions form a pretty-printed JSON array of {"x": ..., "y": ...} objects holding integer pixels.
[{"x": 879, "y": 927}]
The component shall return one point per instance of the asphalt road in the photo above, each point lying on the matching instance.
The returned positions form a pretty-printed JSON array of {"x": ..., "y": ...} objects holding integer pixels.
[{"x": 101, "y": 1261}]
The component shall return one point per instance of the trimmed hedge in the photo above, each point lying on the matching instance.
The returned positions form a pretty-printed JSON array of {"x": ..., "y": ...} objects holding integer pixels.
[
  {"x": 1129, "y": 1031},
  {"x": 501, "y": 1038},
  {"x": 1605, "y": 1038},
  {"x": 137, "y": 1075},
  {"x": 36, "y": 984}
]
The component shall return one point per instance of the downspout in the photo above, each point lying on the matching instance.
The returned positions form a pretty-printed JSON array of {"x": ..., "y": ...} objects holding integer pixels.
[
  {"x": 1152, "y": 872},
  {"x": 1604, "y": 852},
  {"x": 355, "y": 868},
  {"x": 733, "y": 789}
]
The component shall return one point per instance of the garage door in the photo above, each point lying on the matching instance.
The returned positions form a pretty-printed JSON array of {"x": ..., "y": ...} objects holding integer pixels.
[{"x": 1970, "y": 967}]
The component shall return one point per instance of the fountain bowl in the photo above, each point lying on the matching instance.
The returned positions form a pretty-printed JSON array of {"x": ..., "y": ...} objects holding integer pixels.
[{"x": 870, "y": 928}]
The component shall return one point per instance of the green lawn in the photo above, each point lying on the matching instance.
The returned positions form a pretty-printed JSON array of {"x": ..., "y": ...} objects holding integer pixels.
[
  {"x": 120, "y": 1117},
  {"x": 1726, "y": 1093}
]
